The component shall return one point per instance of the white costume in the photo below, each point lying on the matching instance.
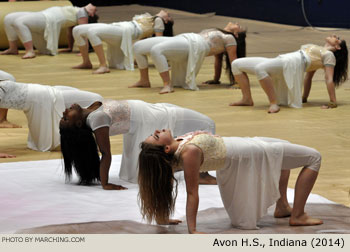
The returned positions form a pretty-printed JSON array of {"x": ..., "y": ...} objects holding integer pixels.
[
  {"x": 6, "y": 76},
  {"x": 43, "y": 27},
  {"x": 43, "y": 106},
  {"x": 287, "y": 70},
  {"x": 248, "y": 170},
  {"x": 118, "y": 37},
  {"x": 185, "y": 52},
  {"x": 137, "y": 120}
]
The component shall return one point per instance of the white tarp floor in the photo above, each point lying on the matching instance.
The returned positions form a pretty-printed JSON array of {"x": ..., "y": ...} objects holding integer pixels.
[{"x": 35, "y": 193}]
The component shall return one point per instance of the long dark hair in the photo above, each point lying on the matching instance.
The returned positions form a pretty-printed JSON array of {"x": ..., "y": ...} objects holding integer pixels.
[
  {"x": 156, "y": 183},
  {"x": 241, "y": 51},
  {"x": 341, "y": 67},
  {"x": 79, "y": 150}
]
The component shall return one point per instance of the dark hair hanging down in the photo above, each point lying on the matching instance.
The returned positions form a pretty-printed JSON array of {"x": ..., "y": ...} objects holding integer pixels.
[
  {"x": 341, "y": 67},
  {"x": 241, "y": 51},
  {"x": 156, "y": 180},
  {"x": 93, "y": 19},
  {"x": 168, "y": 28},
  {"x": 79, "y": 150}
]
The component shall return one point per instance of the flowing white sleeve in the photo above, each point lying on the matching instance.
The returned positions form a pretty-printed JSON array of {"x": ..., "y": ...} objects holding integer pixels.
[{"x": 98, "y": 119}]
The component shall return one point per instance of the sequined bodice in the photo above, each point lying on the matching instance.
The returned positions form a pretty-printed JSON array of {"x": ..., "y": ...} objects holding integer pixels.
[
  {"x": 213, "y": 148},
  {"x": 316, "y": 54},
  {"x": 13, "y": 95},
  {"x": 119, "y": 112},
  {"x": 217, "y": 40}
]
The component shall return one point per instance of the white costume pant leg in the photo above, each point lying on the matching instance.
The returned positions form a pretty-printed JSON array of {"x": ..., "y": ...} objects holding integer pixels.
[
  {"x": 145, "y": 119},
  {"x": 249, "y": 182},
  {"x": 26, "y": 24},
  {"x": 112, "y": 35},
  {"x": 6, "y": 76},
  {"x": 296, "y": 156},
  {"x": 9, "y": 20},
  {"x": 172, "y": 49},
  {"x": 261, "y": 67},
  {"x": 143, "y": 48},
  {"x": 80, "y": 32}
]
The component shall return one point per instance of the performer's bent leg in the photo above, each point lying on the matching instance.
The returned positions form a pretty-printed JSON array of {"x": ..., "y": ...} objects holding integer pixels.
[
  {"x": 240, "y": 67},
  {"x": 11, "y": 33},
  {"x": 297, "y": 156},
  {"x": 142, "y": 50}
]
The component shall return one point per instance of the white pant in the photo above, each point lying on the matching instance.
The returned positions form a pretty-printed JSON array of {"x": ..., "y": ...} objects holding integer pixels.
[
  {"x": 295, "y": 155},
  {"x": 261, "y": 67},
  {"x": 161, "y": 49},
  {"x": 22, "y": 24},
  {"x": 252, "y": 171},
  {"x": 6, "y": 76}
]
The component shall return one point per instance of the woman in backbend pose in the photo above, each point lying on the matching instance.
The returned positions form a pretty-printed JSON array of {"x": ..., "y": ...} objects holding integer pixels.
[
  {"x": 43, "y": 106},
  {"x": 42, "y": 29},
  {"x": 81, "y": 129},
  {"x": 248, "y": 174},
  {"x": 118, "y": 37},
  {"x": 186, "y": 53},
  {"x": 282, "y": 77}
]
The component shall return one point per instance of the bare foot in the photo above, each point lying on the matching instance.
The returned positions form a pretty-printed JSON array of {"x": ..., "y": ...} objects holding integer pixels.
[
  {"x": 242, "y": 103},
  {"x": 166, "y": 89},
  {"x": 7, "y": 124},
  {"x": 29, "y": 55},
  {"x": 140, "y": 84},
  {"x": 282, "y": 211},
  {"x": 274, "y": 108},
  {"x": 304, "y": 220},
  {"x": 206, "y": 179},
  {"x": 4, "y": 155},
  {"x": 234, "y": 86},
  {"x": 83, "y": 66},
  {"x": 9, "y": 52},
  {"x": 101, "y": 70}
]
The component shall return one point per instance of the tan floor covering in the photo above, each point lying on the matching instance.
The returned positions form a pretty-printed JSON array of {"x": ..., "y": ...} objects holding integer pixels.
[{"x": 326, "y": 130}]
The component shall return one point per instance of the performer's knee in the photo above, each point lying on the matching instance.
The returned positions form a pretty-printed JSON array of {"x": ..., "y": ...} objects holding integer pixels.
[
  {"x": 316, "y": 159},
  {"x": 93, "y": 36},
  {"x": 235, "y": 67},
  {"x": 260, "y": 71},
  {"x": 137, "y": 47},
  {"x": 156, "y": 51}
]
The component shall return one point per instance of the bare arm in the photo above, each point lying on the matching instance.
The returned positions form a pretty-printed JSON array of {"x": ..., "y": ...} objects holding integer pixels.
[
  {"x": 232, "y": 53},
  {"x": 102, "y": 140},
  {"x": 307, "y": 85},
  {"x": 192, "y": 157},
  {"x": 82, "y": 20},
  {"x": 217, "y": 70},
  {"x": 329, "y": 72},
  {"x": 3, "y": 120},
  {"x": 70, "y": 39},
  {"x": 158, "y": 34},
  {"x": 3, "y": 114}
]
